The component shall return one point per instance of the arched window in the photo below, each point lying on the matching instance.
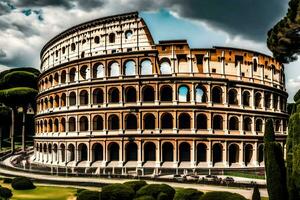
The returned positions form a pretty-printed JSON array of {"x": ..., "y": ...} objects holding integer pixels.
[
  {"x": 83, "y": 152},
  {"x": 56, "y": 101},
  {"x": 267, "y": 100},
  {"x": 149, "y": 152},
  {"x": 72, "y": 124},
  {"x": 233, "y": 154},
  {"x": 167, "y": 152},
  {"x": 183, "y": 66},
  {"x": 56, "y": 79},
  {"x": 84, "y": 97},
  {"x": 201, "y": 94},
  {"x": 217, "y": 153},
  {"x": 63, "y": 100},
  {"x": 146, "y": 67},
  {"x": 114, "y": 96},
  {"x": 50, "y": 125},
  {"x": 113, "y": 149},
  {"x": 184, "y": 121},
  {"x": 98, "y": 70},
  {"x": 233, "y": 123},
  {"x": 97, "y": 123},
  {"x": 166, "y": 93},
  {"x": 72, "y": 75},
  {"x": 62, "y": 152},
  {"x": 232, "y": 97},
  {"x": 201, "y": 121},
  {"x": 130, "y": 121},
  {"x": 277, "y": 125},
  {"x": 63, "y": 125},
  {"x": 97, "y": 96},
  {"x": 129, "y": 68},
  {"x": 73, "y": 47},
  {"x": 131, "y": 151},
  {"x": 130, "y": 94},
  {"x": 51, "y": 102},
  {"x": 255, "y": 65},
  {"x": 72, "y": 99},
  {"x": 165, "y": 66},
  {"x": 247, "y": 124},
  {"x": 183, "y": 94},
  {"x": 113, "y": 122},
  {"x": 114, "y": 69},
  {"x": 248, "y": 154},
  {"x": 56, "y": 125},
  {"x": 128, "y": 34},
  {"x": 258, "y": 125},
  {"x": 50, "y": 81},
  {"x": 258, "y": 100},
  {"x": 261, "y": 154},
  {"x": 149, "y": 121},
  {"x": 111, "y": 38},
  {"x": 84, "y": 123},
  {"x": 97, "y": 152},
  {"x": 218, "y": 122},
  {"x": 148, "y": 94},
  {"x": 201, "y": 152},
  {"x": 184, "y": 152},
  {"x": 45, "y": 126},
  {"x": 71, "y": 152},
  {"x": 167, "y": 121},
  {"x": 97, "y": 39},
  {"x": 217, "y": 95},
  {"x": 246, "y": 98}
]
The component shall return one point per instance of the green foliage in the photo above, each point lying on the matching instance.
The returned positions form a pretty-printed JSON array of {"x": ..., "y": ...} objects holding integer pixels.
[
  {"x": 269, "y": 131},
  {"x": 297, "y": 96},
  {"x": 7, "y": 180},
  {"x": 188, "y": 194},
  {"x": 5, "y": 193},
  {"x": 154, "y": 190},
  {"x": 283, "y": 39},
  {"x": 162, "y": 196},
  {"x": 19, "y": 79},
  {"x": 22, "y": 183},
  {"x": 221, "y": 196},
  {"x": 256, "y": 193},
  {"x": 145, "y": 198},
  {"x": 18, "y": 96},
  {"x": 88, "y": 195},
  {"x": 117, "y": 192},
  {"x": 20, "y": 69},
  {"x": 135, "y": 185}
]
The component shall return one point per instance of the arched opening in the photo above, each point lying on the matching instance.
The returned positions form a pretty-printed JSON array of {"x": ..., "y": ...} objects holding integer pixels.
[
  {"x": 255, "y": 65},
  {"x": 166, "y": 93},
  {"x": 131, "y": 151},
  {"x": 218, "y": 122},
  {"x": 267, "y": 100},
  {"x": 97, "y": 151},
  {"x": 62, "y": 153},
  {"x": 232, "y": 97},
  {"x": 148, "y": 94},
  {"x": 183, "y": 94},
  {"x": 84, "y": 97},
  {"x": 63, "y": 125},
  {"x": 71, "y": 152},
  {"x": 233, "y": 123},
  {"x": 247, "y": 124},
  {"x": 258, "y": 100},
  {"x": 217, "y": 95},
  {"x": 248, "y": 154},
  {"x": 201, "y": 121},
  {"x": 56, "y": 125},
  {"x": 72, "y": 99},
  {"x": 50, "y": 81},
  {"x": 63, "y": 100},
  {"x": 63, "y": 77},
  {"x": 45, "y": 126},
  {"x": 201, "y": 96},
  {"x": 166, "y": 121},
  {"x": 167, "y": 152},
  {"x": 84, "y": 72},
  {"x": 146, "y": 67},
  {"x": 246, "y": 98},
  {"x": 50, "y": 102},
  {"x": 97, "y": 123},
  {"x": 84, "y": 123},
  {"x": 184, "y": 152},
  {"x": 149, "y": 121},
  {"x": 98, "y": 96},
  {"x": 97, "y": 39},
  {"x": 149, "y": 152},
  {"x": 128, "y": 34},
  {"x": 72, "y": 75},
  {"x": 72, "y": 124},
  {"x": 114, "y": 96},
  {"x": 233, "y": 154},
  {"x": 261, "y": 154},
  {"x": 83, "y": 152},
  {"x": 98, "y": 70},
  {"x": 201, "y": 152},
  {"x": 217, "y": 153},
  {"x": 114, "y": 69},
  {"x": 50, "y": 125},
  {"x": 111, "y": 38},
  {"x": 165, "y": 66},
  {"x": 130, "y": 95},
  {"x": 277, "y": 125},
  {"x": 56, "y": 79},
  {"x": 130, "y": 121},
  {"x": 258, "y": 125},
  {"x": 129, "y": 68},
  {"x": 49, "y": 148},
  {"x": 184, "y": 121},
  {"x": 113, "y": 152},
  {"x": 55, "y": 152},
  {"x": 113, "y": 122}
]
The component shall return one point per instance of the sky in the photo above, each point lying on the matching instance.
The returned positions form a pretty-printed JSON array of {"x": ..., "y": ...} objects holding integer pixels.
[{"x": 26, "y": 25}]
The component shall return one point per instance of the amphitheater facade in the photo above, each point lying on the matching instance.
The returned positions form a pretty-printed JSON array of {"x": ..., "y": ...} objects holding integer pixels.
[{"x": 109, "y": 97}]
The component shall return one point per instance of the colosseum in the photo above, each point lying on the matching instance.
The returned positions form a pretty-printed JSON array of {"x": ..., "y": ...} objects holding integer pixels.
[{"x": 110, "y": 98}]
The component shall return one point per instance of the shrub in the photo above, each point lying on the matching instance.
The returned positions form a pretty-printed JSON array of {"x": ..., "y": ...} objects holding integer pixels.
[
  {"x": 297, "y": 96},
  {"x": 154, "y": 190},
  {"x": 22, "y": 183},
  {"x": 188, "y": 194},
  {"x": 256, "y": 194},
  {"x": 117, "y": 192},
  {"x": 7, "y": 180},
  {"x": 221, "y": 196},
  {"x": 79, "y": 191},
  {"x": 135, "y": 185},
  {"x": 145, "y": 198},
  {"x": 5, "y": 193},
  {"x": 88, "y": 195},
  {"x": 162, "y": 196}
]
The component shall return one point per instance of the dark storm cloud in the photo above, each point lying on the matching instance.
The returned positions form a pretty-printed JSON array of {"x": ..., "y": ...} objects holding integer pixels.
[
  {"x": 4, "y": 8},
  {"x": 42, "y": 3},
  {"x": 89, "y": 4},
  {"x": 250, "y": 18},
  {"x": 2, "y": 53}
]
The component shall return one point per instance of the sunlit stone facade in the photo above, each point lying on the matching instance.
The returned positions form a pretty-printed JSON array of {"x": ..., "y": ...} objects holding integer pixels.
[{"x": 109, "y": 97}]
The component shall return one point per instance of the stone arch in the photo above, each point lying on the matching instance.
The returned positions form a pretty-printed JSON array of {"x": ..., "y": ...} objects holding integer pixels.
[
  {"x": 146, "y": 67},
  {"x": 267, "y": 99},
  {"x": 83, "y": 152},
  {"x": 56, "y": 101},
  {"x": 248, "y": 154},
  {"x": 84, "y": 97},
  {"x": 148, "y": 94},
  {"x": 72, "y": 124},
  {"x": 50, "y": 125},
  {"x": 56, "y": 125},
  {"x": 166, "y": 121},
  {"x": 113, "y": 151},
  {"x": 166, "y": 93},
  {"x": 149, "y": 121},
  {"x": 98, "y": 96},
  {"x": 165, "y": 66},
  {"x": 63, "y": 125},
  {"x": 217, "y": 153},
  {"x": 217, "y": 95},
  {"x": 63, "y": 77},
  {"x": 84, "y": 123},
  {"x": 167, "y": 152},
  {"x": 97, "y": 152},
  {"x": 111, "y": 38},
  {"x": 260, "y": 155},
  {"x": 131, "y": 151},
  {"x": 247, "y": 126},
  {"x": 201, "y": 96},
  {"x": 258, "y": 125},
  {"x": 184, "y": 152},
  {"x": 130, "y": 121},
  {"x": 130, "y": 94},
  {"x": 234, "y": 151},
  {"x": 98, "y": 70},
  {"x": 129, "y": 68},
  {"x": 72, "y": 75},
  {"x": 63, "y": 99},
  {"x": 233, "y": 123},
  {"x": 97, "y": 123},
  {"x": 246, "y": 98},
  {"x": 232, "y": 97},
  {"x": 114, "y": 96},
  {"x": 183, "y": 93},
  {"x": 218, "y": 122},
  {"x": 72, "y": 99},
  {"x": 184, "y": 121},
  {"x": 113, "y": 122},
  {"x": 114, "y": 69},
  {"x": 201, "y": 121},
  {"x": 62, "y": 152},
  {"x": 277, "y": 125},
  {"x": 84, "y": 72},
  {"x": 149, "y": 151},
  {"x": 201, "y": 152},
  {"x": 257, "y": 101},
  {"x": 71, "y": 152}
]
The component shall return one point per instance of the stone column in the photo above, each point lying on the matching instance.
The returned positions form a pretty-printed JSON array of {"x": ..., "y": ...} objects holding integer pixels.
[
  {"x": 255, "y": 155},
  {"x": 193, "y": 154},
  {"x": 158, "y": 154},
  {"x": 225, "y": 155},
  {"x": 241, "y": 155},
  {"x": 175, "y": 153},
  {"x": 139, "y": 161},
  {"x": 209, "y": 154},
  {"x": 193, "y": 94}
]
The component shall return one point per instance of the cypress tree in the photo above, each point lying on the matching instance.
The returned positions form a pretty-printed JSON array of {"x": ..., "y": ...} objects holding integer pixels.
[{"x": 256, "y": 193}]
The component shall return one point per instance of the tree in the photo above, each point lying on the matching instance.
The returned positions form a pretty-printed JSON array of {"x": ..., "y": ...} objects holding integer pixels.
[
  {"x": 284, "y": 38},
  {"x": 5, "y": 119},
  {"x": 256, "y": 193},
  {"x": 274, "y": 165}
]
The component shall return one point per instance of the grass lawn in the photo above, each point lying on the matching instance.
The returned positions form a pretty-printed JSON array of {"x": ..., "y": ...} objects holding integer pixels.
[{"x": 245, "y": 175}]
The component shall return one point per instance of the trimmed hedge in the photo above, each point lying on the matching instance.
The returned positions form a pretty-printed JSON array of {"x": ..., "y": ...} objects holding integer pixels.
[
  {"x": 5, "y": 193},
  {"x": 221, "y": 196},
  {"x": 18, "y": 79},
  {"x": 162, "y": 196},
  {"x": 188, "y": 194},
  {"x": 155, "y": 189},
  {"x": 88, "y": 195},
  {"x": 22, "y": 183},
  {"x": 117, "y": 192},
  {"x": 18, "y": 96},
  {"x": 135, "y": 185}
]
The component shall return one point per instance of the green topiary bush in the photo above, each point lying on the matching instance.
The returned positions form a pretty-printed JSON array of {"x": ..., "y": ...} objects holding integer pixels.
[
  {"x": 117, "y": 192},
  {"x": 221, "y": 196},
  {"x": 88, "y": 195},
  {"x": 7, "y": 180},
  {"x": 22, "y": 183},
  {"x": 5, "y": 193},
  {"x": 79, "y": 191},
  {"x": 154, "y": 190},
  {"x": 145, "y": 198},
  {"x": 256, "y": 193},
  {"x": 135, "y": 185},
  {"x": 188, "y": 194},
  {"x": 162, "y": 196}
]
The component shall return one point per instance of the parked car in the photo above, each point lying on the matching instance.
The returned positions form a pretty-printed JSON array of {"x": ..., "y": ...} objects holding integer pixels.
[
  {"x": 228, "y": 180},
  {"x": 193, "y": 177},
  {"x": 179, "y": 178}
]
